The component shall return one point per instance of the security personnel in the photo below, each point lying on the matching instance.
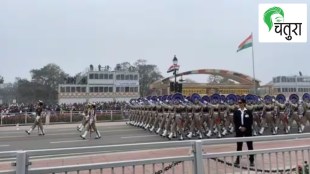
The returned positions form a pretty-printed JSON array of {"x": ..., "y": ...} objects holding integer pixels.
[
  {"x": 38, "y": 119},
  {"x": 91, "y": 123},
  {"x": 85, "y": 118}
]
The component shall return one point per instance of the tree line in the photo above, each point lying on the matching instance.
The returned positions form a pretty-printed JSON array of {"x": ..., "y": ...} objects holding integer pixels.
[{"x": 44, "y": 82}]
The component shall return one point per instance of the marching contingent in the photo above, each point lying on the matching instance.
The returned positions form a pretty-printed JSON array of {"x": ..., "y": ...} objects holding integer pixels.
[{"x": 178, "y": 116}]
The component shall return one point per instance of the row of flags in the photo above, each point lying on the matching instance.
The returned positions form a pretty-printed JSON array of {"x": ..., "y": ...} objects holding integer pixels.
[{"x": 248, "y": 42}]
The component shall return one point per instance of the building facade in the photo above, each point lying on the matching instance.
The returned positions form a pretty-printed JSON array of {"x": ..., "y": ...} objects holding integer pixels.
[
  {"x": 101, "y": 86},
  {"x": 288, "y": 85}
]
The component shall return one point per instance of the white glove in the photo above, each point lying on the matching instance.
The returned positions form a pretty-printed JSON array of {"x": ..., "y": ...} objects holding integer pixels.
[
  {"x": 83, "y": 114},
  {"x": 37, "y": 118}
]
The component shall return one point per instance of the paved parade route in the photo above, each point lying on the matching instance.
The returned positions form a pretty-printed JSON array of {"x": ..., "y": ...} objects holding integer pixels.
[
  {"x": 113, "y": 133},
  {"x": 66, "y": 135}
]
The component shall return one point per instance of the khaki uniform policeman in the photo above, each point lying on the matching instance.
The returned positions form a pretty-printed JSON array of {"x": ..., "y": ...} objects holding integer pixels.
[
  {"x": 85, "y": 118},
  {"x": 91, "y": 123},
  {"x": 38, "y": 119}
]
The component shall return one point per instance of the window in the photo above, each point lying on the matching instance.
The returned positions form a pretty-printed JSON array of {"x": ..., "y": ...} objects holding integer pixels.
[
  {"x": 279, "y": 89},
  {"x": 106, "y": 76},
  {"x": 136, "y": 77},
  {"x": 136, "y": 89},
  {"x": 110, "y": 89},
  {"x": 83, "y": 89},
  {"x": 283, "y": 79},
  {"x": 96, "y": 76},
  {"x": 118, "y": 77},
  {"x": 106, "y": 89},
  {"x": 131, "y": 77},
  {"x": 91, "y": 76},
  {"x": 72, "y": 89},
  {"x": 110, "y": 76},
  {"x": 67, "y": 89},
  {"x": 62, "y": 89},
  {"x": 91, "y": 89},
  {"x": 100, "y": 76},
  {"x": 96, "y": 89},
  {"x": 131, "y": 89},
  {"x": 126, "y": 89},
  {"x": 122, "y": 77},
  {"x": 100, "y": 89},
  {"x": 78, "y": 89},
  {"x": 117, "y": 89},
  {"x": 122, "y": 89},
  {"x": 126, "y": 77}
]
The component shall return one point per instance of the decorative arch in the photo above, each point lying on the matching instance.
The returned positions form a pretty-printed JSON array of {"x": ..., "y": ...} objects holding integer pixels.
[{"x": 239, "y": 77}]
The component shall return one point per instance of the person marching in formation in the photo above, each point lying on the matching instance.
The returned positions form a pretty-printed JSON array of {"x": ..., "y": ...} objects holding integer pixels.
[
  {"x": 85, "y": 119},
  {"x": 195, "y": 116},
  {"x": 38, "y": 119},
  {"x": 91, "y": 123}
]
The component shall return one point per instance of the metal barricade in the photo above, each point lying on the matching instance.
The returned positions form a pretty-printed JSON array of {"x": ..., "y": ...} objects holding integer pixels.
[
  {"x": 199, "y": 161},
  {"x": 8, "y": 166}
]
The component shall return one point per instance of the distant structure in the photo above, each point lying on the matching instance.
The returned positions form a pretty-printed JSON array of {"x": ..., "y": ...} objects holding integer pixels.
[
  {"x": 243, "y": 84},
  {"x": 96, "y": 85},
  {"x": 288, "y": 85}
]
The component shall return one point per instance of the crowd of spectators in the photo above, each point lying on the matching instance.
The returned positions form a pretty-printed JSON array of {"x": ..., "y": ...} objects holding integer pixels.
[
  {"x": 101, "y": 106},
  {"x": 113, "y": 105}
]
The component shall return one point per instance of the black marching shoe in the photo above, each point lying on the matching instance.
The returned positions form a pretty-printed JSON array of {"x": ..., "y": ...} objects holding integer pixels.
[
  {"x": 27, "y": 132},
  {"x": 82, "y": 137},
  {"x": 97, "y": 137},
  {"x": 41, "y": 134}
]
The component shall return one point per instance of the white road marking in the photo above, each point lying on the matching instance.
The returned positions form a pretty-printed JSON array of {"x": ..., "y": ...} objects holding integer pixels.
[
  {"x": 76, "y": 132},
  {"x": 35, "y": 133},
  {"x": 4, "y": 145},
  {"x": 71, "y": 141},
  {"x": 141, "y": 136}
]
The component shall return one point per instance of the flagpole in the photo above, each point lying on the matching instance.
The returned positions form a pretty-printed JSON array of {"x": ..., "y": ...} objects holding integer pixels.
[{"x": 255, "y": 92}]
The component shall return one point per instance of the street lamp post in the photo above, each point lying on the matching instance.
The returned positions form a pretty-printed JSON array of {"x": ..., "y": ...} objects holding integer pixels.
[{"x": 175, "y": 63}]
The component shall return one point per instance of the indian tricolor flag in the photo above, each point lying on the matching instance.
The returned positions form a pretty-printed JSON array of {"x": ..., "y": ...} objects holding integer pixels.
[
  {"x": 248, "y": 42},
  {"x": 173, "y": 67}
]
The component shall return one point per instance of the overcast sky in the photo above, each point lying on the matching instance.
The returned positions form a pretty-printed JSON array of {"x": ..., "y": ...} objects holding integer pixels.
[{"x": 202, "y": 33}]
